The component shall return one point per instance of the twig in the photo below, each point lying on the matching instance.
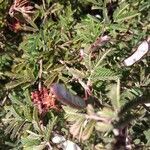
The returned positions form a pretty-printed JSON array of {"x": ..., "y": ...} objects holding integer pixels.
[
  {"x": 49, "y": 146},
  {"x": 4, "y": 100},
  {"x": 43, "y": 1},
  {"x": 40, "y": 74},
  {"x": 98, "y": 118}
]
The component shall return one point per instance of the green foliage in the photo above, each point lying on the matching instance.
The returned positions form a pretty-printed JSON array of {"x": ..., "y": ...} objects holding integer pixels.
[
  {"x": 22, "y": 123},
  {"x": 58, "y": 32},
  {"x": 88, "y": 30},
  {"x": 123, "y": 14},
  {"x": 102, "y": 73}
]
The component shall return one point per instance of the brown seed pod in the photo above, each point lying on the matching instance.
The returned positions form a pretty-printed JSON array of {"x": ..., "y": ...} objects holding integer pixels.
[{"x": 66, "y": 97}]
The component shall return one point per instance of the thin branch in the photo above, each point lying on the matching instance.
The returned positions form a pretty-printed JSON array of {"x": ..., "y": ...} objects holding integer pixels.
[
  {"x": 98, "y": 118},
  {"x": 4, "y": 100},
  {"x": 40, "y": 74},
  {"x": 43, "y": 1}
]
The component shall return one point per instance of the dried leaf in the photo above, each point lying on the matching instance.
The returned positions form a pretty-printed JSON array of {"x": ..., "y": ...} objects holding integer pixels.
[
  {"x": 114, "y": 95},
  {"x": 77, "y": 74},
  {"x": 88, "y": 130},
  {"x": 75, "y": 128},
  {"x": 107, "y": 113},
  {"x": 103, "y": 127},
  {"x": 90, "y": 109}
]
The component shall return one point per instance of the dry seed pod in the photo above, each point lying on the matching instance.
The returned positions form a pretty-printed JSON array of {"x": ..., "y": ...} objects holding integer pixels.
[
  {"x": 142, "y": 49},
  {"x": 69, "y": 145},
  {"x": 100, "y": 41},
  {"x": 57, "y": 139},
  {"x": 66, "y": 97}
]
